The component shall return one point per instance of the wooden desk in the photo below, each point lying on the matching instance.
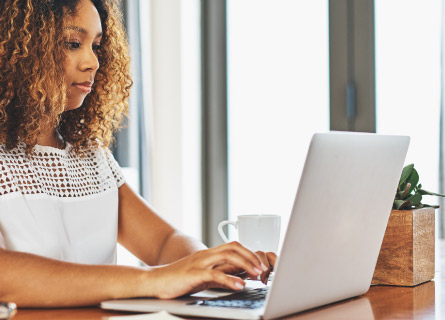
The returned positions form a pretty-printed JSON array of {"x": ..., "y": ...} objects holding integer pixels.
[{"x": 425, "y": 301}]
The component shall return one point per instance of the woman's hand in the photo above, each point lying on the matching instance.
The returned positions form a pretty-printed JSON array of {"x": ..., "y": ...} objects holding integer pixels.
[
  {"x": 267, "y": 258},
  {"x": 204, "y": 269}
]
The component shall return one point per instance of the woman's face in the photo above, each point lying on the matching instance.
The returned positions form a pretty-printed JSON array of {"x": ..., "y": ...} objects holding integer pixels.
[{"x": 84, "y": 32}]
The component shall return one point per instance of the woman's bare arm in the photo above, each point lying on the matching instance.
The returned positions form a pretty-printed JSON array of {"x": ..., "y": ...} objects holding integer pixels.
[
  {"x": 139, "y": 225},
  {"x": 147, "y": 235},
  {"x": 34, "y": 281}
]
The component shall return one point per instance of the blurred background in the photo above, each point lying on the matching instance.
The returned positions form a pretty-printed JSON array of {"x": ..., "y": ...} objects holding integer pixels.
[{"x": 228, "y": 93}]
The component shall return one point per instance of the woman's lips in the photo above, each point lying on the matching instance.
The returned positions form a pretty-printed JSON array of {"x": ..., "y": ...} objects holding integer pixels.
[{"x": 84, "y": 87}]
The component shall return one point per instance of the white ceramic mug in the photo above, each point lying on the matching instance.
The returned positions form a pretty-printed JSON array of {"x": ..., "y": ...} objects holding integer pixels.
[{"x": 256, "y": 232}]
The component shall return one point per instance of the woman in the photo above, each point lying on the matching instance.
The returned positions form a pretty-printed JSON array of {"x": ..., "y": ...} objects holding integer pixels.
[{"x": 64, "y": 87}]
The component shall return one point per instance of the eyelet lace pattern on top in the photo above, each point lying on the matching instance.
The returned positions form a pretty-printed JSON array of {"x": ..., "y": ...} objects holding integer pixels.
[{"x": 56, "y": 172}]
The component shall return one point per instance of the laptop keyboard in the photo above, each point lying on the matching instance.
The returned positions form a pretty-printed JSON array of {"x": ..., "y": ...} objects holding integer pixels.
[{"x": 250, "y": 299}]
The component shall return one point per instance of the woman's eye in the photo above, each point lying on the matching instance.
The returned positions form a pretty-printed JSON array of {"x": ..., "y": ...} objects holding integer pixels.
[
  {"x": 72, "y": 45},
  {"x": 96, "y": 47}
]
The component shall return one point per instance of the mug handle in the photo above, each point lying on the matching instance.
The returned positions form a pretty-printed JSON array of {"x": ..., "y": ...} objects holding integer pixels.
[{"x": 221, "y": 231}]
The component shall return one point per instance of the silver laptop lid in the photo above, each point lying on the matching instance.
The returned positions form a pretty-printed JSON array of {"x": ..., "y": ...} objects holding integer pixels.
[{"x": 338, "y": 220}]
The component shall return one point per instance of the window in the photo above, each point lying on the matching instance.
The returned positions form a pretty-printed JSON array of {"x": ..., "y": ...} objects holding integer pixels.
[
  {"x": 408, "y": 53},
  {"x": 278, "y": 96}
]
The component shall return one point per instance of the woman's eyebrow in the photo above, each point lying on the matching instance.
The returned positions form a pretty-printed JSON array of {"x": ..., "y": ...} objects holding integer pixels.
[{"x": 82, "y": 30}]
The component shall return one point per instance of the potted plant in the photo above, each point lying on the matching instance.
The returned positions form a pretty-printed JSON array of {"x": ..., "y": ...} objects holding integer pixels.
[{"x": 407, "y": 254}]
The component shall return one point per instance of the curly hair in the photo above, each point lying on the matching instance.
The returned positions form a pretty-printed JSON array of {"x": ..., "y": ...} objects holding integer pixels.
[{"x": 32, "y": 90}]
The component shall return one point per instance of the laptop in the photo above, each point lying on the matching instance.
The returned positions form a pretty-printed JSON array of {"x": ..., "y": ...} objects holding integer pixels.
[{"x": 333, "y": 237}]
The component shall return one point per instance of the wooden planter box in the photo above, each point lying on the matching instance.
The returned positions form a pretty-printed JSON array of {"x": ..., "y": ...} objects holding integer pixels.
[{"x": 407, "y": 254}]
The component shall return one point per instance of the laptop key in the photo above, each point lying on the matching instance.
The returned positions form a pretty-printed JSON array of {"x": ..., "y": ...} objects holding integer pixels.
[{"x": 251, "y": 299}]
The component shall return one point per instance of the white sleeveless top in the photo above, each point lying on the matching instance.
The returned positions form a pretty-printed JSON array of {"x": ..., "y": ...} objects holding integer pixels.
[{"x": 56, "y": 204}]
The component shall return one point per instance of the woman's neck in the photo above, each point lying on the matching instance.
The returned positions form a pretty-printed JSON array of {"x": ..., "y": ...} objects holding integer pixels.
[{"x": 51, "y": 138}]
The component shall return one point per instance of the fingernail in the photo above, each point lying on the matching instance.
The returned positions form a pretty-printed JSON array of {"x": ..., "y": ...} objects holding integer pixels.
[
  {"x": 257, "y": 271},
  {"x": 263, "y": 267},
  {"x": 239, "y": 285}
]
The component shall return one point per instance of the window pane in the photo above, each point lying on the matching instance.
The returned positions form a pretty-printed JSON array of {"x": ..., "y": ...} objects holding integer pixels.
[
  {"x": 278, "y": 87},
  {"x": 408, "y": 80}
]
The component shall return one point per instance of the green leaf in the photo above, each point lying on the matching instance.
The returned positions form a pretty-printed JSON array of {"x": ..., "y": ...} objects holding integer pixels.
[
  {"x": 425, "y": 192},
  {"x": 431, "y": 206},
  {"x": 401, "y": 204},
  {"x": 409, "y": 182},
  {"x": 406, "y": 172},
  {"x": 415, "y": 199},
  {"x": 413, "y": 179}
]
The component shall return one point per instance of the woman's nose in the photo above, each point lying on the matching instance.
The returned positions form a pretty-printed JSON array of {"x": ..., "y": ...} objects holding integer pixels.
[{"x": 89, "y": 61}]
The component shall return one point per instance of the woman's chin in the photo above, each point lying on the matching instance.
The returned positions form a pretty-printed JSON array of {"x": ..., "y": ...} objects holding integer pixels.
[{"x": 73, "y": 106}]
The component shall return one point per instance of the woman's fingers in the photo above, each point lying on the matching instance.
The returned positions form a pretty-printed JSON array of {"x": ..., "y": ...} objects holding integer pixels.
[
  {"x": 237, "y": 255},
  {"x": 214, "y": 268},
  {"x": 231, "y": 269},
  {"x": 228, "y": 256},
  {"x": 224, "y": 280},
  {"x": 243, "y": 251},
  {"x": 265, "y": 274},
  {"x": 186, "y": 276},
  {"x": 272, "y": 258},
  {"x": 268, "y": 259}
]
